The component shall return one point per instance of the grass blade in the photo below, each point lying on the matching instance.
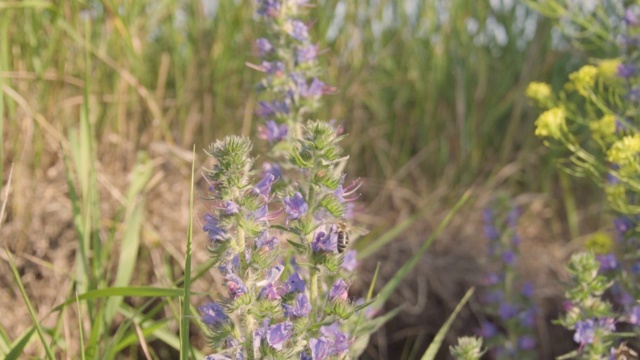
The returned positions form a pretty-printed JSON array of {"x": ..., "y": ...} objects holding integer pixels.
[
  {"x": 433, "y": 348},
  {"x": 389, "y": 288},
  {"x": 186, "y": 298}
]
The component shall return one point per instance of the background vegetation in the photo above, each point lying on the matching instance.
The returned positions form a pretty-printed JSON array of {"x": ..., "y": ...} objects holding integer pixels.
[{"x": 103, "y": 101}]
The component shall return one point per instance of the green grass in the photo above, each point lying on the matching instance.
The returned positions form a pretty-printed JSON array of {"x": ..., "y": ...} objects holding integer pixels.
[{"x": 426, "y": 105}]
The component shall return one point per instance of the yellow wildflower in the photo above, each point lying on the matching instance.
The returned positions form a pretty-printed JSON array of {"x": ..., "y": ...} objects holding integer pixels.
[
  {"x": 608, "y": 68},
  {"x": 603, "y": 129},
  {"x": 600, "y": 243},
  {"x": 625, "y": 151},
  {"x": 551, "y": 123},
  {"x": 539, "y": 91},
  {"x": 584, "y": 78}
]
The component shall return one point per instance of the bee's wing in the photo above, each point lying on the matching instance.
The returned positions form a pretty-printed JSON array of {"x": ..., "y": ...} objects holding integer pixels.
[{"x": 356, "y": 232}]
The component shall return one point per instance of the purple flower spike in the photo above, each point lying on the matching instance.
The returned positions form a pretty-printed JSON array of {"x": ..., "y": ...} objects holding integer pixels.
[
  {"x": 306, "y": 53},
  {"x": 298, "y": 30},
  {"x": 263, "y": 188},
  {"x": 627, "y": 71},
  {"x": 236, "y": 285},
  {"x": 264, "y": 46},
  {"x": 295, "y": 283},
  {"x": 339, "y": 291},
  {"x": 213, "y": 314},
  {"x": 325, "y": 242},
  {"x": 585, "y": 332},
  {"x": 214, "y": 231},
  {"x": 273, "y": 132},
  {"x": 278, "y": 334},
  {"x": 350, "y": 262},
  {"x": 319, "y": 348},
  {"x": 295, "y": 206}
]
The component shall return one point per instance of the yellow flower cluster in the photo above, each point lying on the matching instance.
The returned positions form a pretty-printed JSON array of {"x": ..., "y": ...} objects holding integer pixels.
[
  {"x": 609, "y": 68},
  {"x": 584, "y": 79},
  {"x": 603, "y": 130},
  {"x": 551, "y": 123},
  {"x": 624, "y": 152},
  {"x": 600, "y": 243},
  {"x": 539, "y": 91}
]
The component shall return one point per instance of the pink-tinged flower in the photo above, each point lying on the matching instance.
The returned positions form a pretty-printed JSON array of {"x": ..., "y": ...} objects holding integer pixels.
[
  {"x": 295, "y": 206},
  {"x": 339, "y": 291},
  {"x": 266, "y": 243},
  {"x": 272, "y": 291},
  {"x": 278, "y": 334},
  {"x": 273, "y": 132},
  {"x": 634, "y": 315},
  {"x": 236, "y": 285},
  {"x": 350, "y": 261},
  {"x": 213, "y": 314},
  {"x": 348, "y": 193},
  {"x": 325, "y": 242}
]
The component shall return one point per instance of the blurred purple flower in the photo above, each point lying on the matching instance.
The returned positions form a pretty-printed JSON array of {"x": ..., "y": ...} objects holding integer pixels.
[
  {"x": 306, "y": 53},
  {"x": 630, "y": 17},
  {"x": 213, "y": 314},
  {"x": 265, "y": 242},
  {"x": 527, "y": 343},
  {"x": 273, "y": 67},
  {"x": 634, "y": 315},
  {"x": 622, "y": 224},
  {"x": 214, "y": 231},
  {"x": 231, "y": 207},
  {"x": 488, "y": 330},
  {"x": 491, "y": 279},
  {"x": 236, "y": 285},
  {"x": 627, "y": 71},
  {"x": 295, "y": 283},
  {"x": 506, "y": 311},
  {"x": 264, "y": 46},
  {"x": 269, "y": 8},
  {"x": 325, "y": 242},
  {"x": 319, "y": 348},
  {"x": 528, "y": 317},
  {"x": 585, "y": 332},
  {"x": 269, "y": 109},
  {"x": 295, "y": 206},
  {"x": 634, "y": 94},
  {"x": 491, "y": 232},
  {"x": 272, "y": 168},
  {"x": 298, "y": 30},
  {"x": 527, "y": 289},
  {"x": 273, "y": 132},
  {"x": 509, "y": 257},
  {"x": 302, "y": 306},
  {"x": 608, "y": 262},
  {"x": 339, "y": 291},
  {"x": 350, "y": 261},
  {"x": 263, "y": 187},
  {"x": 278, "y": 334}
]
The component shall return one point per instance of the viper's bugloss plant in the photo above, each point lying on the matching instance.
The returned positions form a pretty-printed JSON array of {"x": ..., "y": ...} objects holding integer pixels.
[
  {"x": 274, "y": 234},
  {"x": 512, "y": 335}
]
